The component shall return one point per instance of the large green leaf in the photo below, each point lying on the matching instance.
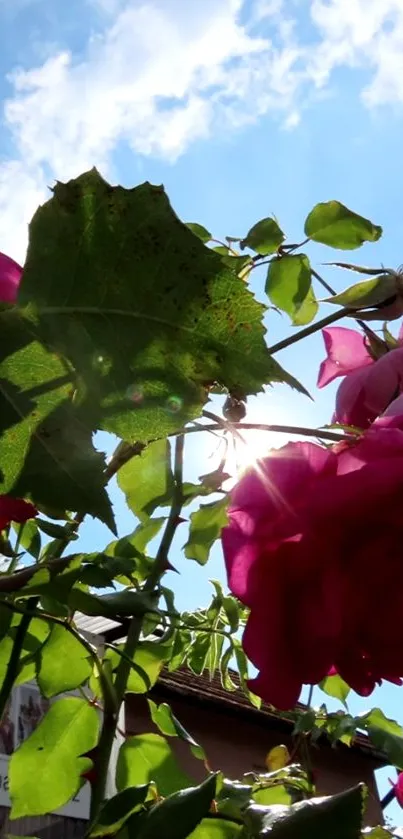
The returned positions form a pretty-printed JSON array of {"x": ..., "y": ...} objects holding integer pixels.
[
  {"x": 64, "y": 663},
  {"x": 147, "y": 479},
  {"x": 147, "y": 315},
  {"x": 177, "y": 815},
  {"x": 288, "y": 286},
  {"x": 205, "y": 527},
  {"x": 148, "y": 757},
  {"x": 264, "y": 237},
  {"x": 46, "y": 449},
  {"x": 332, "y": 817},
  {"x": 45, "y": 771},
  {"x": 334, "y": 224}
]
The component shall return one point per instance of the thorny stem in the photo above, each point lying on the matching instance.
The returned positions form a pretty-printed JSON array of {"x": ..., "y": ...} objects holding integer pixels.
[{"x": 122, "y": 673}]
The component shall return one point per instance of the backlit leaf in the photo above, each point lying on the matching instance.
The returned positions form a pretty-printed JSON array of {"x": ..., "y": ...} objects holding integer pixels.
[
  {"x": 334, "y": 224},
  {"x": 147, "y": 480},
  {"x": 264, "y": 237},
  {"x": 148, "y": 757},
  {"x": 205, "y": 527},
  {"x": 64, "y": 663},
  {"x": 288, "y": 286}
]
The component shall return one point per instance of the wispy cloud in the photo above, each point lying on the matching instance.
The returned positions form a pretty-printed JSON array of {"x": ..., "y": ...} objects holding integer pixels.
[{"x": 158, "y": 74}]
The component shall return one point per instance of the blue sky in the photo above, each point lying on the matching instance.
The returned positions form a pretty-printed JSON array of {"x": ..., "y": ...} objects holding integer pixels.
[{"x": 241, "y": 109}]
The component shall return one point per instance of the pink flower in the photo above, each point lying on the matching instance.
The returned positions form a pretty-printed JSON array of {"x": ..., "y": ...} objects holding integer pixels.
[
  {"x": 369, "y": 386},
  {"x": 398, "y": 788},
  {"x": 15, "y": 509},
  {"x": 313, "y": 548},
  {"x": 10, "y": 277},
  {"x": 346, "y": 351}
]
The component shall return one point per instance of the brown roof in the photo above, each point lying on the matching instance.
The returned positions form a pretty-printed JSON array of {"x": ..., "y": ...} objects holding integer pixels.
[{"x": 204, "y": 689}]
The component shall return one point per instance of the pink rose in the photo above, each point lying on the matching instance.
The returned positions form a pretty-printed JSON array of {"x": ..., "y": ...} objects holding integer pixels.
[
  {"x": 15, "y": 509},
  {"x": 369, "y": 385},
  {"x": 313, "y": 548},
  {"x": 10, "y": 277},
  {"x": 398, "y": 788}
]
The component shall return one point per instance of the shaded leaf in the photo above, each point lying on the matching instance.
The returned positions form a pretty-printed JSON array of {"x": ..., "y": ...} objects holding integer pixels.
[
  {"x": 264, "y": 237},
  {"x": 29, "y": 537},
  {"x": 334, "y": 224},
  {"x": 177, "y": 815},
  {"x": 145, "y": 313},
  {"x": 366, "y": 293},
  {"x": 198, "y": 653},
  {"x": 53, "y": 753},
  {"x": 148, "y": 757},
  {"x": 118, "y": 809},
  {"x": 147, "y": 479},
  {"x": 288, "y": 286},
  {"x": 119, "y": 604},
  {"x": 64, "y": 663},
  {"x": 205, "y": 527},
  {"x": 331, "y": 817}
]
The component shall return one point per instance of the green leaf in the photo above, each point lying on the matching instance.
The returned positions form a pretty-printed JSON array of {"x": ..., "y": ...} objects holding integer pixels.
[
  {"x": 33, "y": 383},
  {"x": 148, "y": 662},
  {"x": 201, "y": 232},
  {"x": 64, "y": 663},
  {"x": 205, "y": 527},
  {"x": 332, "y": 817},
  {"x": 147, "y": 479},
  {"x": 166, "y": 721},
  {"x": 231, "y": 608},
  {"x": 264, "y": 237},
  {"x": 288, "y": 286},
  {"x": 385, "y": 734},
  {"x": 199, "y": 652},
  {"x": 217, "y": 829},
  {"x": 335, "y": 686},
  {"x": 335, "y": 225},
  {"x": 119, "y": 604},
  {"x": 143, "y": 311},
  {"x": 367, "y": 293},
  {"x": 177, "y": 815},
  {"x": 180, "y": 649},
  {"x": 232, "y": 798},
  {"x": 117, "y": 810},
  {"x": 29, "y": 537},
  {"x": 62, "y": 468},
  {"x": 53, "y": 754},
  {"x": 148, "y": 757},
  {"x": 34, "y": 639}
]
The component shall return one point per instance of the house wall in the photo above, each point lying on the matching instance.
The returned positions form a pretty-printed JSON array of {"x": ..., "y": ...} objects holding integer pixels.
[{"x": 237, "y": 744}]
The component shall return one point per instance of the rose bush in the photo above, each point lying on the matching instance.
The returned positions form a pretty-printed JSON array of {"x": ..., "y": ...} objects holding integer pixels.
[
  {"x": 312, "y": 545},
  {"x": 369, "y": 385},
  {"x": 15, "y": 509},
  {"x": 10, "y": 277}
]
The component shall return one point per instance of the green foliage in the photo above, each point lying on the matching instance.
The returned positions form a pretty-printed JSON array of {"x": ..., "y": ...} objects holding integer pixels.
[
  {"x": 64, "y": 663},
  {"x": 29, "y": 537},
  {"x": 53, "y": 753},
  {"x": 145, "y": 314},
  {"x": 177, "y": 815},
  {"x": 334, "y": 224},
  {"x": 265, "y": 237},
  {"x": 148, "y": 757},
  {"x": 205, "y": 527},
  {"x": 288, "y": 286},
  {"x": 146, "y": 666},
  {"x": 385, "y": 734},
  {"x": 147, "y": 480},
  {"x": 217, "y": 829},
  {"x": 34, "y": 639},
  {"x": 330, "y": 817}
]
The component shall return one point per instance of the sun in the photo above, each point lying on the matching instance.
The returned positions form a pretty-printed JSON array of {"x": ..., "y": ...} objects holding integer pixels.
[{"x": 245, "y": 451}]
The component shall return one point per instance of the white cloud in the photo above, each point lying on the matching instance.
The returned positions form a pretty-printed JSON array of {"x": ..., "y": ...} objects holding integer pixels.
[{"x": 158, "y": 74}]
